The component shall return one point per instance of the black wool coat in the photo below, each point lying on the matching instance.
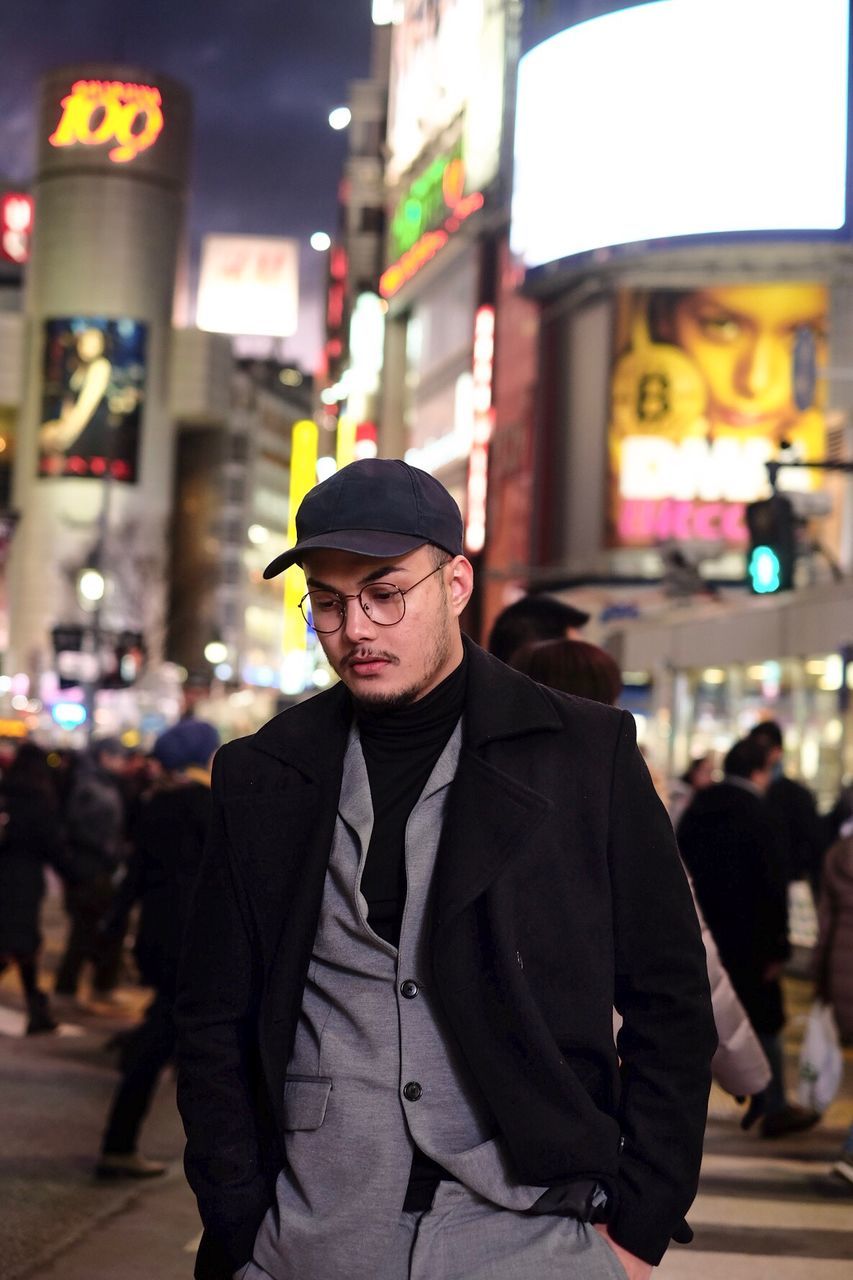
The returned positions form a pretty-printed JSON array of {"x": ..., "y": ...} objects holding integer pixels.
[{"x": 559, "y": 894}]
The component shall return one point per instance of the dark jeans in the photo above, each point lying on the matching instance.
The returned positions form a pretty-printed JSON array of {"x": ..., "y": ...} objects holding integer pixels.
[
  {"x": 87, "y": 905},
  {"x": 147, "y": 1052}
]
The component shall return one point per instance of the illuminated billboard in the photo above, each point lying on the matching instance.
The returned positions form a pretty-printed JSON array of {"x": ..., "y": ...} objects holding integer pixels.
[
  {"x": 682, "y": 118},
  {"x": 92, "y": 398},
  {"x": 447, "y": 64},
  {"x": 124, "y": 118},
  {"x": 248, "y": 285},
  {"x": 707, "y": 385},
  {"x": 96, "y": 118}
]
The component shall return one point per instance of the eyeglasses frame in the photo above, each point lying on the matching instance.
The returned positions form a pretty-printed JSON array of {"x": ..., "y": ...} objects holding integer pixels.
[{"x": 343, "y": 599}]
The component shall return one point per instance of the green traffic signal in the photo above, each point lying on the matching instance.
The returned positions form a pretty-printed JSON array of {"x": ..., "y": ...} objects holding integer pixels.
[{"x": 765, "y": 571}]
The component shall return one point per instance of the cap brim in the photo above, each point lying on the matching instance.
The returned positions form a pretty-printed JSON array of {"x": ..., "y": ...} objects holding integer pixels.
[{"x": 360, "y": 542}]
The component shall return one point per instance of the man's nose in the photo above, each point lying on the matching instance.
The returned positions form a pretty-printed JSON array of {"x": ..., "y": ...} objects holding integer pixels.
[{"x": 357, "y": 625}]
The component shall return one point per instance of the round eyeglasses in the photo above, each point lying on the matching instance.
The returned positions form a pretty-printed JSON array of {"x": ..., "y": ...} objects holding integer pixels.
[{"x": 382, "y": 602}]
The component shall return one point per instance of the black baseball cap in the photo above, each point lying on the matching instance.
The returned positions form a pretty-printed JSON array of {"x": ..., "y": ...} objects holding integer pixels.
[{"x": 374, "y": 507}]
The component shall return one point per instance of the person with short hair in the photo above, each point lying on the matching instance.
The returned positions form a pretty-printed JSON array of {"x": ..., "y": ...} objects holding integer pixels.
[
  {"x": 792, "y": 807},
  {"x": 728, "y": 844},
  {"x": 534, "y": 617},
  {"x": 573, "y": 666},
  {"x": 423, "y": 893}
]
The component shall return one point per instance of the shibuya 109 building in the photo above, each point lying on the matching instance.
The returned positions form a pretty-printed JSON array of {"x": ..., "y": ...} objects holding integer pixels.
[{"x": 92, "y": 479}]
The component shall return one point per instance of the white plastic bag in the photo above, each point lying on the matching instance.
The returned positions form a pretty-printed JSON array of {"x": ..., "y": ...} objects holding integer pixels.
[
  {"x": 802, "y": 914},
  {"x": 820, "y": 1059}
]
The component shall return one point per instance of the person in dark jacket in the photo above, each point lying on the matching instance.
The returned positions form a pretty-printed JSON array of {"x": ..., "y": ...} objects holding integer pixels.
[
  {"x": 728, "y": 844},
  {"x": 423, "y": 893},
  {"x": 534, "y": 618},
  {"x": 171, "y": 832},
  {"x": 30, "y": 839},
  {"x": 792, "y": 808},
  {"x": 94, "y": 862}
]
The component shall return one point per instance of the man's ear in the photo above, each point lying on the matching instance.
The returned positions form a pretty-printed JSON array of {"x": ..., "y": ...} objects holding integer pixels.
[{"x": 460, "y": 584}]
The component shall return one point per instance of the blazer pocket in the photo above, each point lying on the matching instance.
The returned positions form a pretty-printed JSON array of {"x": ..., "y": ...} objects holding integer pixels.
[{"x": 305, "y": 1101}]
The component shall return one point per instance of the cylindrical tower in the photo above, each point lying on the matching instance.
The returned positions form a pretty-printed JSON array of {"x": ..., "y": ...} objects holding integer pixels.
[{"x": 94, "y": 453}]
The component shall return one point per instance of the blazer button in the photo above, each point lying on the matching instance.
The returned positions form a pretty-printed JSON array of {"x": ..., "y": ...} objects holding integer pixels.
[
  {"x": 412, "y": 1091},
  {"x": 409, "y": 989}
]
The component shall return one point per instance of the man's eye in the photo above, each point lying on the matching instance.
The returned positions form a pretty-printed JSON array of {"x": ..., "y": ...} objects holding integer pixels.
[
  {"x": 323, "y": 604},
  {"x": 381, "y": 595}
]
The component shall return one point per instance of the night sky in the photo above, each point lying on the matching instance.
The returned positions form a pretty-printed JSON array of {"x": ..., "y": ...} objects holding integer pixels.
[{"x": 264, "y": 75}]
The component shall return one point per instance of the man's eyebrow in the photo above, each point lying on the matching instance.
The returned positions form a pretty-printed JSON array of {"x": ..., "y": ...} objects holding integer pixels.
[{"x": 375, "y": 575}]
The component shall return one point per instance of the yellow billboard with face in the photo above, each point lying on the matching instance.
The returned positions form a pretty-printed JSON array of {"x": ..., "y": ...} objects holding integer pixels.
[{"x": 708, "y": 385}]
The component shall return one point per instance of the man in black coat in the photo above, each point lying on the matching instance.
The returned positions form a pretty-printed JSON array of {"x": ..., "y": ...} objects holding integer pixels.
[
  {"x": 728, "y": 842},
  {"x": 556, "y": 893}
]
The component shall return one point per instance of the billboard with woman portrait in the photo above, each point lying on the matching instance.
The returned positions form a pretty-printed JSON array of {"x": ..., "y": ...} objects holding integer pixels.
[
  {"x": 708, "y": 384},
  {"x": 92, "y": 398}
]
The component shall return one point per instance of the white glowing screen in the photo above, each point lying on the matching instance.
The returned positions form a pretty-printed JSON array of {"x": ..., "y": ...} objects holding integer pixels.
[{"x": 682, "y": 117}]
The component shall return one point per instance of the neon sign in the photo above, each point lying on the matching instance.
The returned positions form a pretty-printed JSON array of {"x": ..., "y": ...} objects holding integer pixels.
[
  {"x": 97, "y": 112},
  {"x": 478, "y": 462},
  {"x": 431, "y": 197},
  {"x": 425, "y": 249},
  {"x": 16, "y": 223}
]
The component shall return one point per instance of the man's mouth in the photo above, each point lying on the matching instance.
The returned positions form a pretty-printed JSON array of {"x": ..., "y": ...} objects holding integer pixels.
[{"x": 368, "y": 664}]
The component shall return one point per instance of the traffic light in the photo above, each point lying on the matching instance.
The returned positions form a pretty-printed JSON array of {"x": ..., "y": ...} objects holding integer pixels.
[{"x": 772, "y": 551}]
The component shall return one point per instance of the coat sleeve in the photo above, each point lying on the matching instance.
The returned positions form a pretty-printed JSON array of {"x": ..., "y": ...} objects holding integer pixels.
[
  {"x": 216, "y": 1019},
  {"x": 667, "y": 1038}
]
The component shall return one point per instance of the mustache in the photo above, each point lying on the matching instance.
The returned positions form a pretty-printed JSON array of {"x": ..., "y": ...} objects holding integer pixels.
[{"x": 367, "y": 655}]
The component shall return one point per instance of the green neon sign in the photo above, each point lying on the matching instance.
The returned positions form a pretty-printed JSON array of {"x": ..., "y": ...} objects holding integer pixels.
[{"x": 429, "y": 200}]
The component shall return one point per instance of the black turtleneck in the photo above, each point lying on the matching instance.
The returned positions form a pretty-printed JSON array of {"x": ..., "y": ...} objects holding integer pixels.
[{"x": 400, "y": 749}]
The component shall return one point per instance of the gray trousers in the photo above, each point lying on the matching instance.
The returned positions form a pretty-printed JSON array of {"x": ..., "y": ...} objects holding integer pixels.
[{"x": 463, "y": 1237}]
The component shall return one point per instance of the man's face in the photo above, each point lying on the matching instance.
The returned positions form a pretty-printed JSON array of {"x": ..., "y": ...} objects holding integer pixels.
[{"x": 393, "y": 666}]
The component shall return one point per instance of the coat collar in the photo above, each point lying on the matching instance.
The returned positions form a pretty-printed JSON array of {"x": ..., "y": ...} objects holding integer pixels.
[{"x": 500, "y": 703}]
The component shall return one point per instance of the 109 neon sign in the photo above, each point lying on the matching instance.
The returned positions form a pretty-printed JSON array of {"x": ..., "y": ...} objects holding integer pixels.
[{"x": 98, "y": 112}]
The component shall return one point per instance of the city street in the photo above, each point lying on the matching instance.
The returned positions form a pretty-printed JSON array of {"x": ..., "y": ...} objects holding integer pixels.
[{"x": 765, "y": 1210}]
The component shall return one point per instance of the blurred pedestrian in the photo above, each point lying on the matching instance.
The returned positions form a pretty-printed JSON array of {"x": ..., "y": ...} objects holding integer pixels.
[
  {"x": 844, "y": 1164},
  {"x": 698, "y": 775},
  {"x": 171, "y": 831},
  {"x": 729, "y": 845},
  {"x": 30, "y": 839},
  {"x": 794, "y": 812},
  {"x": 96, "y": 851},
  {"x": 833, "y": 958},
  {"x": 572, "y": 666},
  {"x": 740, "y": 1065},
  {"x": 534, "y": 618}
]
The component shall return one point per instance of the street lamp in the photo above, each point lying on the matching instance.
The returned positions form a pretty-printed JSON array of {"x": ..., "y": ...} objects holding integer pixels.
[
  {"x": 91, "y": 586},
  {"x": 340, "y": 118},
  {"x": 215, "y": 652},
  {"x": 320, "y": 241}
]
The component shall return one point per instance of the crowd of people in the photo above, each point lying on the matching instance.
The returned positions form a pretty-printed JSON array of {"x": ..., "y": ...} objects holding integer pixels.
[{"x": 123, "y": 831}]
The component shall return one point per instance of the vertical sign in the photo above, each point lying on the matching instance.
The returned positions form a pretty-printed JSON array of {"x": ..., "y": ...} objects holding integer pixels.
[
  {"x": 303, "y": 476},
  {"x": 478, "y": 462}
]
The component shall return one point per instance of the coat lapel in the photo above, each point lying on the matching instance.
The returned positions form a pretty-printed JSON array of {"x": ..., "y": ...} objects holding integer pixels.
[
  {"x": 490, "y": 813},
  {"x": 281, "y": 825}
]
